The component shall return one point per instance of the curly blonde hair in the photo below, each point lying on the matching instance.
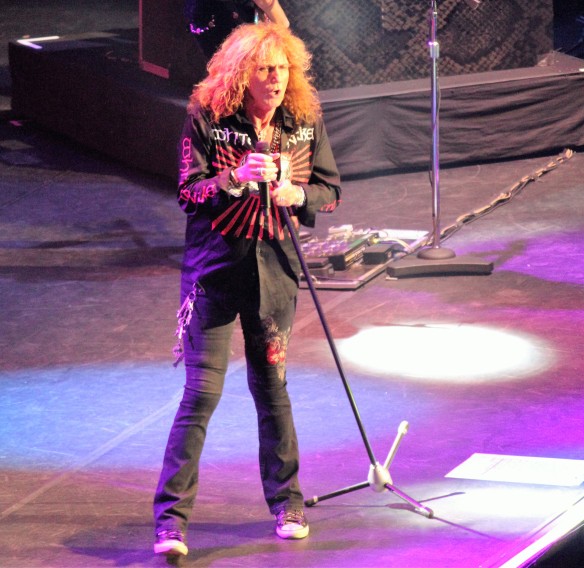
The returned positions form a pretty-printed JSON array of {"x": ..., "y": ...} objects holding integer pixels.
[{"x": 224, "y": 89}]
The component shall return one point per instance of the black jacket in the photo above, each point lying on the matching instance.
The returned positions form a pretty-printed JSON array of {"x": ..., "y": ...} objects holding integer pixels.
[{"x": 221, "y": 229}]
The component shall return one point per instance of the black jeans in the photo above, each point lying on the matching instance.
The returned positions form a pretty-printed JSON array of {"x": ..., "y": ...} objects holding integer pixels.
[{"x": 207, "y": 347}]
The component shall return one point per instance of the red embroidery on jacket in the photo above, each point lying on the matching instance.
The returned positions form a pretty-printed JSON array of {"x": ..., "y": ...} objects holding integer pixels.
[{"x": 244, "y": 216}]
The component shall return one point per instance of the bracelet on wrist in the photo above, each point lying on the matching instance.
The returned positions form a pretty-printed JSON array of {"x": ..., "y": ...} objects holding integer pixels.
[
  {"x": 235, "y": 187},
  {"x": 233, "y": 178}
]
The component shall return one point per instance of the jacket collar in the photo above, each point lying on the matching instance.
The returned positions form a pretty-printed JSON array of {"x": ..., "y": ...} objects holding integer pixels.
[{"x": 288, "y": 121}]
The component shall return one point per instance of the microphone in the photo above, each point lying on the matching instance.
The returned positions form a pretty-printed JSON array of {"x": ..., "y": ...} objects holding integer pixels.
[{"x": 262, "y": 147}]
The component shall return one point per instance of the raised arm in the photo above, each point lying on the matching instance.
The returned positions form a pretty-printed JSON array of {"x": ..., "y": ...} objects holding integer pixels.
[{"x": 273, "y": 11}]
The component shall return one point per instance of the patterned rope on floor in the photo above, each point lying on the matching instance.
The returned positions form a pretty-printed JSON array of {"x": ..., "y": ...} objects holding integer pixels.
[{"x": 500, "y": 200}]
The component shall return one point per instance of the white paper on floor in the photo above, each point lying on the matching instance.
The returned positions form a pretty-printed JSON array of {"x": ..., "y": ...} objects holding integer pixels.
[{"x": 521, "y": 469}]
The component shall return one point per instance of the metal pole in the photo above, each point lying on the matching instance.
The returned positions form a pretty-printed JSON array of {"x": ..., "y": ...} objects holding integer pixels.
[{"x": 435, "y": 252}]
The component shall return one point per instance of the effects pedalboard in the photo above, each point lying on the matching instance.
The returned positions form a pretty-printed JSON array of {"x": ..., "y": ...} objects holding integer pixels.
[{"x": 344, "y": 248}]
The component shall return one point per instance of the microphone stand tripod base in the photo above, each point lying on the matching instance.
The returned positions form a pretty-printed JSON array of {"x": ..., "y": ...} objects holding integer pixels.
[
  {"x": 379, "y": 479},
  {"x": 438, "y": 262}
]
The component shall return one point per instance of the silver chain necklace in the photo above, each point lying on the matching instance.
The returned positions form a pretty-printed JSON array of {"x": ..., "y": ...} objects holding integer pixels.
[{"x": 262, "y": 132}]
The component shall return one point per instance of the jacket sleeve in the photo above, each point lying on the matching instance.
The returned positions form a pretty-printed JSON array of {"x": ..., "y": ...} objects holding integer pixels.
[
  {"x": 323, "y": 190},
  {"x": 199, "y": 184}
]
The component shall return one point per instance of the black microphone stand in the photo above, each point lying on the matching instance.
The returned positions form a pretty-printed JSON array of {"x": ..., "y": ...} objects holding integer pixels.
[
  {"x": 378, "y": 477},
  {"x": 436, "y": 259}
]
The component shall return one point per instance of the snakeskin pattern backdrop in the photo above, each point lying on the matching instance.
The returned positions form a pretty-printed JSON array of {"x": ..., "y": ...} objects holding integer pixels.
[{"x": 361, "y": 42}]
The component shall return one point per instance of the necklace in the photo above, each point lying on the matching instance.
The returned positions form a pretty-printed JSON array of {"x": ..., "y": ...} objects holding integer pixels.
[{"x": 262, "y": 131}]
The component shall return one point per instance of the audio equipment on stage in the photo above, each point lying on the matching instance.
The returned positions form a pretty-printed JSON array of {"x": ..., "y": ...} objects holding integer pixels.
[
  {"x": 346, "y": 258},
  {"x": 341, "y": 251}
]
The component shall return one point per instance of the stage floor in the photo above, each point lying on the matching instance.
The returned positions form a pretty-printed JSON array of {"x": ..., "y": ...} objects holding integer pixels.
[{"x": 89, "y": 270}]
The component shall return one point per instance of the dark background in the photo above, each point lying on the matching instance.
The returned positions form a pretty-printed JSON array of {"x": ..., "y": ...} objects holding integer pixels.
[
  {"x": 36, "y": 18},
  {"x": 380, "y": 41}
]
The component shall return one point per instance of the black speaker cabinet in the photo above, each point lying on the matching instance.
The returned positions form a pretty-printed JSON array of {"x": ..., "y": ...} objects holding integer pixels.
[
  {"x": 158, "y": 22},
  {"x": 168, "y": 46}
]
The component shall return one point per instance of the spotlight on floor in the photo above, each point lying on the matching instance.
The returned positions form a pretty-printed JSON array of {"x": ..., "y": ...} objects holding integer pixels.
[{"x": 446, "y": 352}]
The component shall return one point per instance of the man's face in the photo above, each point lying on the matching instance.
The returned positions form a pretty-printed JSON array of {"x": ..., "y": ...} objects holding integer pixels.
[{"x": 268, "y": 82}]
